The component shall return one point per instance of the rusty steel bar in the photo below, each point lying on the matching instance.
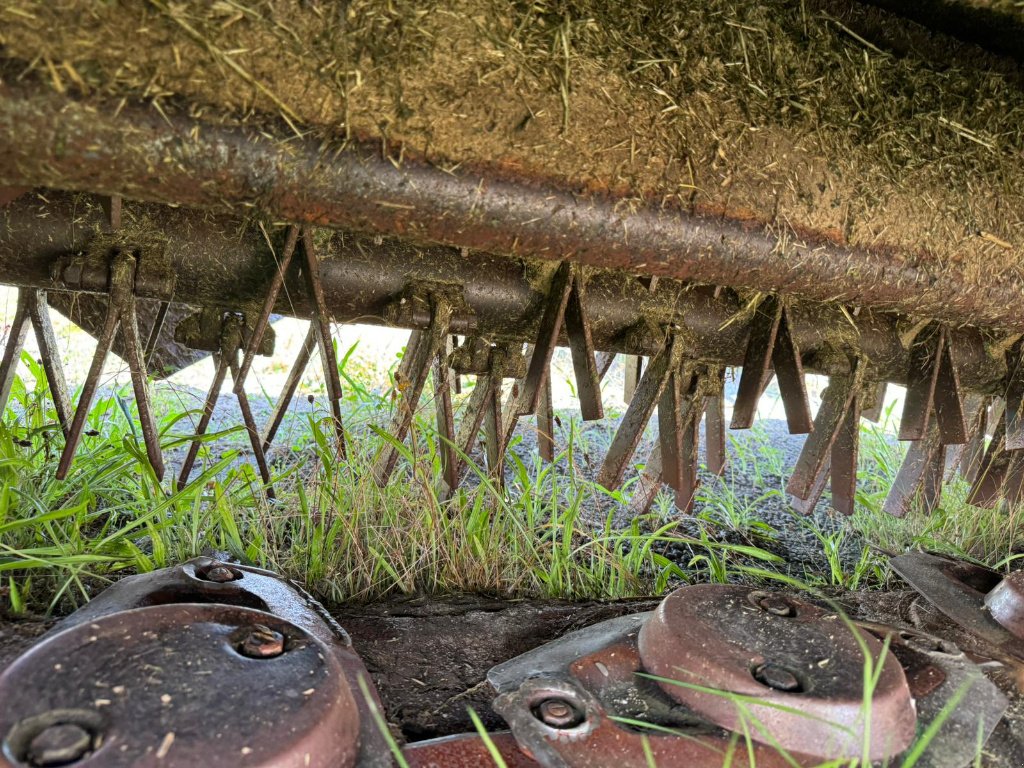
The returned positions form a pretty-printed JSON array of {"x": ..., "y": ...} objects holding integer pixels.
[
  {"x": 225, "y": 262},
  {"x": 52, "y": 140}
]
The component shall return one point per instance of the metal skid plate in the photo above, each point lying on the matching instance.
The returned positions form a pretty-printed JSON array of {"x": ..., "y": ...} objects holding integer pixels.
[{"x": 609, "y": 709}]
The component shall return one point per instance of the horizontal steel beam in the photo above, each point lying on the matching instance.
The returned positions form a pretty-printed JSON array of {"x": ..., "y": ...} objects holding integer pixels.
[
  {"x": 47, "y": 139},
  {"x": 227, "y": 262}
]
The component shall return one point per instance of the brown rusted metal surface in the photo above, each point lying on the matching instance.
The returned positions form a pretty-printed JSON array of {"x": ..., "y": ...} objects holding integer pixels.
[
  {"x": 805, "y": 665},
  {"x": 32, "y": 311},
  {"x": 220, "y": 260},
  {"x": 466, "y": 751},
  {"x": 121, "y": 318},
  {"x": 597, "y": 673},
  {"x": 589, "y": 698},
  {"x": 1006, "y": 603},
  {"x": 177, "y": 684},
  {"x": 165, "y": 157},
  {"x": 278, "y": 603},
  {"x": 823, "y": 447},
  {"x": 771, "y": 346},
  {"x": 958, "y": 589}
]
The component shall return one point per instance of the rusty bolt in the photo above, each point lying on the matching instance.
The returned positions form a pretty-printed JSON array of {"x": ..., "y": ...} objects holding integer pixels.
[
  {"x": 60, "y": 744},
  {"x": 261, "y": 642},
  {"x": 558, "y": 713},
  {"x": 219, "y": 573},
  {"x": 775, "y": 604},
  {"x": 777, "y": 677}
]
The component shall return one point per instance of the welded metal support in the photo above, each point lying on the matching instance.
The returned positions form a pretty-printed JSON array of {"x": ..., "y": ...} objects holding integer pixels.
[
  {"x": 772, "y": 345},
  {"x": 32, "y": 310},
  {"x": 120, "y": 316},
  {"x": 221, "y": 261},
  {"x": 180, "y": 160}
]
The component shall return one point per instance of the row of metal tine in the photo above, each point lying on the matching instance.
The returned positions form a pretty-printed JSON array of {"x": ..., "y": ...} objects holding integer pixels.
[{"x": 682, "y": 391}]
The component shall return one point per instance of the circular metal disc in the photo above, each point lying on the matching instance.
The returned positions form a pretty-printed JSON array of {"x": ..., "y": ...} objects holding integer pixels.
[
  {"x": 804, "y": 671},
  {"x": 166, "y": 685}
]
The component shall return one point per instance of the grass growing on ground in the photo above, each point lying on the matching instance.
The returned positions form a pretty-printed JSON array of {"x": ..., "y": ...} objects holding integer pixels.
[
  {"x": 332, "y": 526},
  {"x": 337, "y": 530}
]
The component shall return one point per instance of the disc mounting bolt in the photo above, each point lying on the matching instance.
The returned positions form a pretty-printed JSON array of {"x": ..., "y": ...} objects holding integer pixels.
[
  {"x": 261, "y": 642},
  {"x": 558, "y": 713},
  {"x": 777, "y": 677},
  {"x": 60, "y": 744}
]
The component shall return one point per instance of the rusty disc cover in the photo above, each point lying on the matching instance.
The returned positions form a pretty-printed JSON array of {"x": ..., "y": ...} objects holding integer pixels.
[
  {"x": 798, "y": 668},
  {"x": 179, "y": 685}
]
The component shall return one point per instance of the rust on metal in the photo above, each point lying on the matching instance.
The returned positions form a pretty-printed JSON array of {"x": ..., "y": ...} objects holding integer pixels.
[
  {"x": 933, "y": 384},
  {"x": 121, "y": 316},
  {"x": 227, "y": 327},
  {"x": 641, "y": 408},
  {"x": 803, "y": 669},
  {"x": 831, "y": 448},
  {"x": 466, "y": 751},
  {"x": 422, "y": 351},
  {"x": 771, "y": 345},
  {"x": 263, "y": 317},
  {"x": 219, "y": 259},
  {"x": 919, "y": 477},
  {"x": 137, "y": 152},
  {"x": 1006, "y": 603},
  {"x": 959, "y": 589},
  {"x": 159, "y": 677},
  {"x": 32, "y": 310}
]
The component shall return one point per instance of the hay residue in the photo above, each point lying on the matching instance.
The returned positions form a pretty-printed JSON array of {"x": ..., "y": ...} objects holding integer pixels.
[{"x": 782, "y": 112}]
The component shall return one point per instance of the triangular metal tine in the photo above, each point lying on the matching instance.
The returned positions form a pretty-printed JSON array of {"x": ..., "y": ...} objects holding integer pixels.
[
  {"x": 14, "y": 346},
  {"x": 627, "y": 436},
  {"x": 420, "y": 354},
  {"x": 263, "y": 318},
  {"x": 212, "y": 396},
  {"x": 547, "y": 338},
  {"x": 445, "y": 416},
  {"x": 291, "y": 384},
  {"x": 140, "y": 381},
  {"x": 50, "y": 354},
  {"x": 322, "y": 324},
  {"x": 581, "y": 345}
]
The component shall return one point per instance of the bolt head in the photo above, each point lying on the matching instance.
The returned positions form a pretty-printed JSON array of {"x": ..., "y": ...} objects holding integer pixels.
[
  {"x": 219, "y": 573},
  {"x": 777, "y": 677},
  {"x": 558, "y": 713},
  {"x": 261, "y": 642},
  {"x": 61, "y": 744},
  {"x": 776, "y": 605}
]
